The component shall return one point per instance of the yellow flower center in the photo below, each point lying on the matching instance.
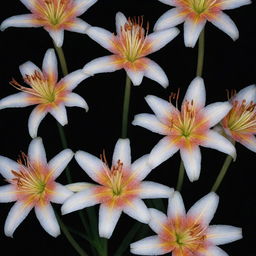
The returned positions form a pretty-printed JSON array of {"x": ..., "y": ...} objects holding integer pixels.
[{"x": 200, "y": 6}]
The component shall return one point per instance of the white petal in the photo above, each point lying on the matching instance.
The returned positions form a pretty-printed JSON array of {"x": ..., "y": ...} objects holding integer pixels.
[
  {"x": 101, "y": 65},
  {"x": 29, "y": 68},
  {"x": 168, "y": 2},
  {"x": 60, "y": 114},
  {"x": 120, "y": 21},
  {"x": 7, "y": 193},
  {"x": 176, "y": 206},
  {"x": 214, "y": 251},
  {"x": 135, "y": 76},
  {"x": 28, "y": 3},
  {"x": 151, "y": 245},
  {"x": 196, "y": 92},
  {"x": 140, "y": 167},
  {"x": 249, "y": 142},
  {"x": 36, "y": 151},
  {"x": 47, "y": 219},
  {"x": 122, "y": 152},
  {"x": 17, "y": 214},
  {"x": 159, "y": 39},
  {"x": 223, "y": 234},
  {"x": 79, "y": 26},
  {"x": 151, "y": 189},
  {"x": 137, "y": 210},
  {"x": 6, "y": 166},
  {"x": 192, "y": 162},
  {"x": 169, "y": 19},
  {"x": 61, "y": 194},
  {"x": 79, "y": 186},
  {"x": 79, "y": 200},
  {"x": 50, "y": 66},
  {"x": 204, "y": 209},
  {"x": 224, "y": 23},
  {"x": 108, "y": 218},
  {"x": 217, "y": 141},
  {"x": 231, "y": 4},
  {"x": 151, "y": 123},
  {"x": 102, "y": 36},
  {"x": 21, "y": 21},
  {"x": 154, "y": 72},
  {"x": 192, "y": 31},
  {"x": 17, "y": 100},
  {"x": 60, "y": 161},
  {"x": 75, "y": 100},
  {"x": 34, "y": 120},
  {"x": 57, "y": 36},
  {"x": 83, "y": 5},
  {"x": 162, "y": 151},
  {"x": 248, "y": 93},
  {"x": 157, "y": 220}
]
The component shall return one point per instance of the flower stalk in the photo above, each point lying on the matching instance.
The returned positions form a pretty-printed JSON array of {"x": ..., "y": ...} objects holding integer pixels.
[{"x": 200, "y": 56}]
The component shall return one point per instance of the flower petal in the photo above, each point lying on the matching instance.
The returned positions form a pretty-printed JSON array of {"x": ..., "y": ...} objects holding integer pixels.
[
  {"x": 120, "y": 21},
  {"x": 192, "y": 31},
  {"x": 50, "y": 67},
  {"x": 47, "y": 219},
  {"x": 232, "y": 4},
  {"x": 79, "y": 26},
  {"x": 57, "y": 36},
  {"x": 122, "y": 152},
  {"x": 16, "y": 215},
  {"x": 140, "y": 168},
  {"x": 248, "y": 93},
  {"x": 83, "y": 5},
  {"x": 135, "y": 76},
  {"x": 223, "y": 234},
  {"x": 28, "y": 3},
  {"x": 151, "y": 189},
  {"x": 79, "y": 186},
  {"x": 28, "y": 68},
  {"x": 75, "y": 100},
  {"x": 224, "y": 23},
  {"x": 204, "y": 209},
  {"x": 7, "y": 193},
  {"x": 157, "y": 220},
  {"x": 61, "y": 194},
  {"x": 60, "y": 161},
  {"x": 36, "y": 151},
  {"x": 176, "y": 206},
  {"x": 214, "y": 251},
  {"x": 17, "y": 100},
  {"x": 168, "y": 2},
  {"x": 249, "y": 142},
  {"x": 108, "y": 218},
  {"x": 154, "y": 72},
  {"x": 60, "y": 114},
  {"x": 6, "y": 166},
  {"x": 169, "y": 19}
]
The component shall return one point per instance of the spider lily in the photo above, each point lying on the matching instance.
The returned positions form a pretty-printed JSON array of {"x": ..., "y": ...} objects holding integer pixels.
[
  {"x": 54, "y": 15},
  {"x": 130, "y": 47},
  {"x": 120, "y": 188},
  {"x": 44, "y": 90},
  {"x": 186, "y": 129},
  {"x": 195, "y": 13},
  {"x": 186, "y": 234},
  {"x": 32, "y": 185}
]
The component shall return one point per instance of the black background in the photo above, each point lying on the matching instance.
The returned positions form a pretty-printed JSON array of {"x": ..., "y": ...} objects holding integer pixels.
[{"x": 228, "y": 65}]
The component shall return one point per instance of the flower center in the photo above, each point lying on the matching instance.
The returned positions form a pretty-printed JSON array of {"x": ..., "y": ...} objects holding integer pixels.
[
  {"x": 115, "y": 178},
  {"x": 200, "y": 6}
]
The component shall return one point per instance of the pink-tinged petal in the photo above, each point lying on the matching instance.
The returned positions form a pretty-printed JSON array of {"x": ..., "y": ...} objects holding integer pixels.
[
  {"x": 204, "y": 209},
  {"x": 137, "y": 210},
  {"x": 154, "y": 72},
  {"x": 196, "y": 92},
  {"x": 92, "y": 165},
  {"x": 60, "y": 162},
  {"x": 192, "y": 31},
  {"x": 50, "y": 66},
  {"x": 101, "y": 65},
  {"x": 215, "y": 112},
  {"x": 108, "y": 218},
  {"x": 47, "y": 219},
  {"x": 135, "y": 76},
  {"x": 120, "y": 22},
  {"x": 168, "y": 2},
  {"x": 75, "y": 100},
  {"x": 162, "y": 151},
  {"x": 140, "y": 168},
  {"x": 36, "y": 151},
  {"x": 79, "y": 200},
  {"x": 16, "y": 215},
  {"x": 159, "y": 39},
  {"x": 223, "y": 234},
  {"x": 224, "y": 23},
  {"x": 17, "y": 100},
  {"x": 28, "y": 3},
  {"x": 102, "y": 36},
  {"x": 151, "y": 245},
  {"x": 176, "y": 206},
  {"x": 79, "y": 26},
  {"x": 232, "y": 4},
  {"x": 150, "y": 122},
  {"x": 7, "y": 193},
  {"x": 34, "y": 120},
  {"x": 29, "y": 68},
  {"x": 57, "y": 36},
  {"x": 220, "y": 143},
  {"x": 6, "y": 166},
  {"x": 83, "y": 5},
  {"x": 248, "y": 93},
  {"x": 169, "y": 19},
  {"x": 249, "y": 142},
  {"x": 157, "y": 220},
  {"x": 61, "y": 194},
  {"x": 149, "y": 189},
  {"x": 214, "y": 251},
  {"x": 60, "y": 114},
  {"x": 122, "y": 152},
  {"x": 79, "y": 186},
  {"x": 21, "y": 21}
]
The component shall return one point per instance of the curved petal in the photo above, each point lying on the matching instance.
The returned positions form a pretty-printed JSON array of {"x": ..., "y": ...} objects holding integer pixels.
[
  {"x": 57, "y": 36},
  {"x": 36, "y": 151},
  {"x": 224, "y": 23},
  {"x": 176, "y": 206},
  {"x": 16, "y": 215},
  {"x": 169, "y": 19},
  {"x": 204, "y": 209},
  {"x": 6, "y": 166},
  {"x": 140, "y": 168},
  {"x": 120, "y": 21},
  {"x": 248, "y": 93},
  {"x": 232, "y": 4},
  {"x": 122, "y": 152},
  {"x": 28, "y": 68},
  {"x": 61, "y": 194},
  {"x": 60, "y": 161},
  {"x": 215, "y": 251},
  {"x": 249, "y": 141},
  {"x": 108, "y": 218},
  {"x": 17, "y": 100},
  {"x": 79, "y": 186},
  {"x": 82, "y": 6},
  {"x": 157, "y": 220},
  {"x": 168, "y": 2},
  {"x": 47, "y": 219},
  {"x": 75, "y": 100},
  {"x": 135, "y": 76},
  {"x": 7, "y": 193},
  {"x": 78, "y": 26},
  {"x": 60, "y": 114},
  {"x": 50, "y": 66},
  {"x": 28, "y": 3}
]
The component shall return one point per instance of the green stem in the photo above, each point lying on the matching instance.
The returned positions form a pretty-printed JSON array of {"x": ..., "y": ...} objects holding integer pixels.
[
  {"x": 200, "y": 57},
  {"x": 62, "y": 59},
  {"x": 222, "y": 173},
  {"x": 127, "y": 94},
  {"x": 181, "y": 176}
]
